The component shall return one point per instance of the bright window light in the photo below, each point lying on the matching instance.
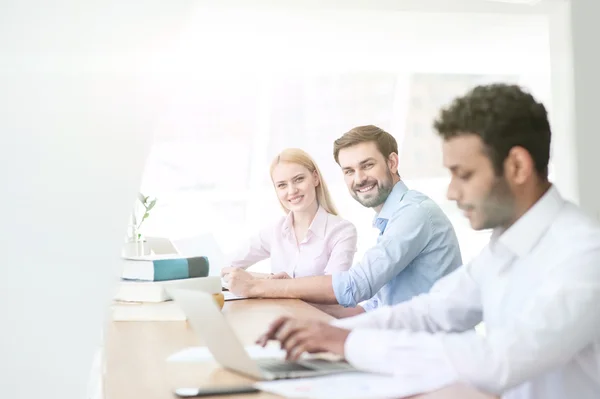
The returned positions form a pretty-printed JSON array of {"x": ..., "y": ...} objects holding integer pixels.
[{"x": 253, "y": 83}]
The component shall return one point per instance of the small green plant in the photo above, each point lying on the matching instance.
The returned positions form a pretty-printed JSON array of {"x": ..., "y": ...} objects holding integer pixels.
[{"x": 138, "y": 217}]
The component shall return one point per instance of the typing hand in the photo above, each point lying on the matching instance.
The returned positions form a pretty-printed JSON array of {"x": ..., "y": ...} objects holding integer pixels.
[{"x": 299, "y": 336}]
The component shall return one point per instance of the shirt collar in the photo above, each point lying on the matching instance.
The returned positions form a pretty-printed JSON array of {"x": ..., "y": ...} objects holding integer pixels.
[
  {"x": 521, "y": 237},
  {"x": 319, "y": 223},
  {"x": 317, "y": 226},
  {"x": 391, "y": 203},
  {"x": 286, "y": 227}
]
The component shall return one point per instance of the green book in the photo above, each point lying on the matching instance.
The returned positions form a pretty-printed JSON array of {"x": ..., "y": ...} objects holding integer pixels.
[{"x": 165, "y": 269}]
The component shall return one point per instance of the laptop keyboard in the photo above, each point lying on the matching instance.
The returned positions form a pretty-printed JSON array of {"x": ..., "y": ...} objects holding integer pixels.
[
  {"x": 277, "y": 366},
  {"x": 321, "y": 364}
]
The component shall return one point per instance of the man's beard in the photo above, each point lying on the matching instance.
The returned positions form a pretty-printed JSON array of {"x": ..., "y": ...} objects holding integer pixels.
[
  {"x": 384, "y": 188},
  {"x": 498, "y": 207}
]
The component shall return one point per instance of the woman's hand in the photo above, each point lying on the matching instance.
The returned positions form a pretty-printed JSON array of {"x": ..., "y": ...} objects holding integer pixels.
[
  {"x": 227, "y": 270},
  {"x": 240, "y": 282},
  {"x": 280, "y": 275}
]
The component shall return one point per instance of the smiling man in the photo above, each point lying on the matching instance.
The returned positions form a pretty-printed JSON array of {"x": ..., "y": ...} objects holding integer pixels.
[
  {"x": 416, "y": 246},
  {"x": 536, "y": 285}
]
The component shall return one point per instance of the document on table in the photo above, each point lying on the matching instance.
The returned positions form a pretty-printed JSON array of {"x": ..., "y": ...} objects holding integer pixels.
[
  {"x": 224, "y": 283},
  {"x": 197, "y": 354},
  {"x": 355, "y": 385},
  {"x": 230, "y": 296}
]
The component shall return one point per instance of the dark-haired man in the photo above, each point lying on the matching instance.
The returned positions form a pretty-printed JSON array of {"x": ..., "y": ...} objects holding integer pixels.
[
  {"x": 536, "y": 285},
  {"x": 416, "y": 246}
]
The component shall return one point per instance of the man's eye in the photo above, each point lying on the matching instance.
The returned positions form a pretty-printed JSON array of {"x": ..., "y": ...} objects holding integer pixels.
[
  {"x": 368, "y": 166},
  {"x": 465, "y": 176},
  {"x": 347, "y": 172},
  {"x": 280, "y": 185}
]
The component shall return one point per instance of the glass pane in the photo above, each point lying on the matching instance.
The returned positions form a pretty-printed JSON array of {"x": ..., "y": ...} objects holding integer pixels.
[
  {"x": 420, "y": 153},
  {"x": 311, "y": 111},
  {"x": 302, "y": 81},
  {"x": 199, "y": 165}
]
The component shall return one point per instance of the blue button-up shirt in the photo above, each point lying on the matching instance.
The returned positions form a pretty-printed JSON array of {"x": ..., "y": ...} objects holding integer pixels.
[{"x": 417, "y": 246}]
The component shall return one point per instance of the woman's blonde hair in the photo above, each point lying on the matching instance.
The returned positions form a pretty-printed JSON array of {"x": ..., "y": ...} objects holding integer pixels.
[{"x": 300, "y": 157}]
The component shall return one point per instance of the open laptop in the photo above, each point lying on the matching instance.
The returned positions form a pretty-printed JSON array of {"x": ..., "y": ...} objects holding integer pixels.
[
  {"x": 161, "y": 246},
  {"x": 204, "y": 244},
  {"x": 208, "y": 322},
  {"x": 201, "y": 245}
]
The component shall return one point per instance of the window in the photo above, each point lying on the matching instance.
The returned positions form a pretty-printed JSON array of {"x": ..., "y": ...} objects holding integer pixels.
[{"x": 310, "y": 81}]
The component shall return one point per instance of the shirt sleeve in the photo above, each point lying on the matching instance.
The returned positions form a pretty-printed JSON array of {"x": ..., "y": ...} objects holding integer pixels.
[
  {"x": 557, "y": 323},
  {"x": 255, "y": 250},
  {"x": 406, "y": 235},
  {"x": 371, "y": 304},
  {"x": 344, "y": 248},
  {"x": 452, "y": 305}
]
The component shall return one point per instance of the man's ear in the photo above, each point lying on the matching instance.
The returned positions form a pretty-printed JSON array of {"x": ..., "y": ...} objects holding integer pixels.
[
  {"x": 519, "y": 165},
  {"x": 393, "y": 162}
]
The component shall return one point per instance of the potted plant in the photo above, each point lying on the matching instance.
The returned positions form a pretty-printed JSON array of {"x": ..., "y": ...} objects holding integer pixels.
[{"x": 136, "y": 245}]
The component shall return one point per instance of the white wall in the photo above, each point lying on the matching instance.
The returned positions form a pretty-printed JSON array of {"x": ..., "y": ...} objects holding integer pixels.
[
  {"x": 564, "y": 154},
  {"x": 480, "y": 6},
  {"x": 585, "y": 30},
  {"x": 77, "y": 107},
  {"x": 575, "y": 67}
]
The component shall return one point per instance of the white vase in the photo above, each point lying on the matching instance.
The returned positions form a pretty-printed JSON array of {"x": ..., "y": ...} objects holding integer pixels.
[{"x": 136, "y": 248}]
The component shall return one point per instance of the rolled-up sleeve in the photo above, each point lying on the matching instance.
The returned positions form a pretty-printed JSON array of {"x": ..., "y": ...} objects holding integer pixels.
[
  {"x": 406, "y": 235},
  {"x": 453, "y": 305}
]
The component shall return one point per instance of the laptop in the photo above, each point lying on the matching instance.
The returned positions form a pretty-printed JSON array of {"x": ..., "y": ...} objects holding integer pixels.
[
  {"x": 161, "y": 246},
  {"x": 201, "y": 245},
  {"x": 210, "y": 324},
  {"x": 204, "y": 244}
]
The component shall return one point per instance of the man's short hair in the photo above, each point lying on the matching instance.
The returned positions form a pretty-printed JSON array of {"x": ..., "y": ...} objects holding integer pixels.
[
  {"x": 386, "y": 143},
  {"x": 504, "y": 116}
]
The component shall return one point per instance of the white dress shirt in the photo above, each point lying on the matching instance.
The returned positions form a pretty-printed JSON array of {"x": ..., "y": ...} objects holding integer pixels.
[{"x": 536, "y": 286}]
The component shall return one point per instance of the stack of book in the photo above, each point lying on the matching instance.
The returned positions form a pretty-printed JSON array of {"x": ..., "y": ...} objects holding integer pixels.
[{"x": 141, "y": 293}]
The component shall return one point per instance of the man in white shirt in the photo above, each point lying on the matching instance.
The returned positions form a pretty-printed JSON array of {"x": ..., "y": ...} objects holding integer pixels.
[{"x": 536, "y": 286}]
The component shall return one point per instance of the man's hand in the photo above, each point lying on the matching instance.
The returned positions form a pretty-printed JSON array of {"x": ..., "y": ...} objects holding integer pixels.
[
  {"x": 240, "y": 282},
  {"x": 299, "y": 336}
]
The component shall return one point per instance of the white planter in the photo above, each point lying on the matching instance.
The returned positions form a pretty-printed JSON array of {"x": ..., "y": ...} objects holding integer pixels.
[{"x": 136, "y": 248}]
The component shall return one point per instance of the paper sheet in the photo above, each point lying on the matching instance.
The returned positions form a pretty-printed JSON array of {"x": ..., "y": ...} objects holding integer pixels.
[
  {"x": 224, "y": 283},
  {"x": 197, "y": 354},
  {"x": 230, "y": 296},
  {"x": 355, "y": 385}
]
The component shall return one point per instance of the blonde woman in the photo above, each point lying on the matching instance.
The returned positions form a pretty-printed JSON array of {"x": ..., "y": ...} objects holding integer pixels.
[{"x": 311, "y": 239}]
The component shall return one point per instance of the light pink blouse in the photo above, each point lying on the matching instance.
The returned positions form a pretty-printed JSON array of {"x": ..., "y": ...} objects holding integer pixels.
[{"x": 329, "y": 246}]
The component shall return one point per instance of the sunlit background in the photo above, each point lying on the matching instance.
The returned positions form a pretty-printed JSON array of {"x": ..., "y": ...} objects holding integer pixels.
[{"x": 255, "y": 82}]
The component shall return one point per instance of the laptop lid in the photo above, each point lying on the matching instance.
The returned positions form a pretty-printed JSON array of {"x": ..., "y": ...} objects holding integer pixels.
[
  {"x": 161, "y": 246},
  {"x": 203, "y": 245},
  {"x": 208, "y": 322}
]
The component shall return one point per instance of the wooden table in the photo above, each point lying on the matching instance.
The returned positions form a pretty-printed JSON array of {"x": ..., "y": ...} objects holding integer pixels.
[{"x": 136, "y": 351}]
